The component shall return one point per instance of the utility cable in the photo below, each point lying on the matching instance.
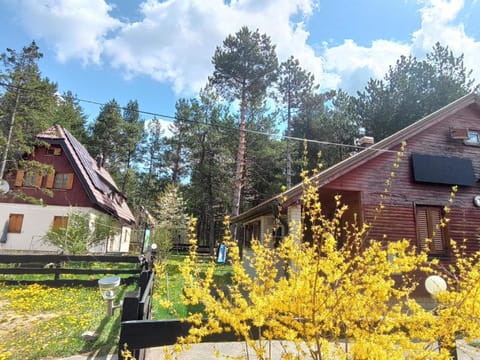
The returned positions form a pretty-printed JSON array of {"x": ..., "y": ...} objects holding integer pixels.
[{"x": 257, "y": 132}]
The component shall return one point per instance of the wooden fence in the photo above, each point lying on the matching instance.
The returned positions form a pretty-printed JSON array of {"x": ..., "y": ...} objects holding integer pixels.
[
  {"x": 57, "y": 265},
  {"x": 140, "y": 332}
]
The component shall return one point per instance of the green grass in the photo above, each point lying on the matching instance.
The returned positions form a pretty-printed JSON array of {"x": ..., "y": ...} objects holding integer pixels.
[
  {"x": 38, "y": 322},
  {"x": 170, "y": 286}
]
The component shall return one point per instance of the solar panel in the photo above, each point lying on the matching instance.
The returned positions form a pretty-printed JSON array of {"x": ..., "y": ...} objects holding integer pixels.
[
  {"x": 88, "y": 163},
  {"x": 442, "y": 170}
]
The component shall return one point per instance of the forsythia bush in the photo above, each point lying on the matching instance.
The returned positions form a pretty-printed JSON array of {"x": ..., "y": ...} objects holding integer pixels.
[{"x": 352, "y": 301}]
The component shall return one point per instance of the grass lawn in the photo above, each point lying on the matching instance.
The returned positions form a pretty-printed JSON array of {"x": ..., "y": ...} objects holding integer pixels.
[
  {"x": 38, "y": 321},
  {"x": 169, "y": 285}
]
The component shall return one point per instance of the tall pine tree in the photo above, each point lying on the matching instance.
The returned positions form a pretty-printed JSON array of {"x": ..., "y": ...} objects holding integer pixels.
[
  {"x": 27, "y": 104},
  {"x": 245, "y": 66},
  {"x": 294, "y": 86}
]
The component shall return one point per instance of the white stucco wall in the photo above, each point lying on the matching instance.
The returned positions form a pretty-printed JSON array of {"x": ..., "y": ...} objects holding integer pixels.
[
  {"x": 38, "y": 219},
  {"x": 294, "y": 217}
]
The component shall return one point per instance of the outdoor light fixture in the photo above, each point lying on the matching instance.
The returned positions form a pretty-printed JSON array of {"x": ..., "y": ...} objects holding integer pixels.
[
  {"x": 435, "y": 284},
  {"x": 109, "y": 289}
]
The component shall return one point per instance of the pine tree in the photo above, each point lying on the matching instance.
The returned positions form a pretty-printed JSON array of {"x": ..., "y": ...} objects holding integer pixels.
[
  {"x": 26, "y": 105},
  {"x": 294, "y": 85},
  {"x": 411, "y": 90},
  {"x": 69, "y": 114},
  {"x": 106, "y": 134},
  {"x": 245, "y": 66}
]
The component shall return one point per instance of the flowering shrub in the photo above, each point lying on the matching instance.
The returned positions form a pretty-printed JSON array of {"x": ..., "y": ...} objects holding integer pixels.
[{"x": 344, "y": 301}]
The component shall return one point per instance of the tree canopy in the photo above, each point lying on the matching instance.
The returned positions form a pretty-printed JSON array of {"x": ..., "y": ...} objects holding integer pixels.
[
  {"x": 220, "y": 150},
  {"x": 412, "y": 89}
]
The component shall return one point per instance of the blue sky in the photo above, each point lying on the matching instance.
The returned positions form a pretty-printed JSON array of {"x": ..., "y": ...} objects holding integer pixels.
[{"x": 158, "y": 51}]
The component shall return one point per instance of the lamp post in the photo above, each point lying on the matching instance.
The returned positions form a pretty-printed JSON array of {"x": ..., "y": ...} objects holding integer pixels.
[
  {"x": 109, "y": 289},
  {"x": 434, "y": 285}
]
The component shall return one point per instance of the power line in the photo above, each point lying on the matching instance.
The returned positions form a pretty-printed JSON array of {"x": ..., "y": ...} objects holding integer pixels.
[{"x": 257, "y": 132}]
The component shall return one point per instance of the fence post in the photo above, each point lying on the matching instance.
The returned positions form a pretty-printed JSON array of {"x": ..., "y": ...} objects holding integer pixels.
[
  {"x": 130, "y": 311},
  {"x": 58, "y": 265},
  {"x": 130, "y": 306}
]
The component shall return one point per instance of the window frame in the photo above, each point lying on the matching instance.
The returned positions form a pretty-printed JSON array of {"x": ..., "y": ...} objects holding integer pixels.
[
  {"x": 431, "y": 225},
  {"x": 54, "y": 151},
  {"x": 472, "y": 134},
  {"x": 31, "y": 179}
]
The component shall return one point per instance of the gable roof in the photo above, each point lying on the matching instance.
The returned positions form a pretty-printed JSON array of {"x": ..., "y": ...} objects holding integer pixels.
[
  {"x": 99, "y": 185},
  {"x": 328, "y": 175}
]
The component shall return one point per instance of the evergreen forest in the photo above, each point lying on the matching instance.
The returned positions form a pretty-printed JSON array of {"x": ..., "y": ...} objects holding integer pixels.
[{"x": 247, "y": 135}]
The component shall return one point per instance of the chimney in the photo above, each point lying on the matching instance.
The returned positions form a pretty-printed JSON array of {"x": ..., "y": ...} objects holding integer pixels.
[
  {"x": 99, "y": 160},
  {"x": 365, "y": 141}
]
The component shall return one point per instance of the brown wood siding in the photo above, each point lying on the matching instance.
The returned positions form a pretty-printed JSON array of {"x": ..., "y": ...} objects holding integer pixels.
[
  {"x": 76, "y": 196},
  {"x": 397, "y": 219}
]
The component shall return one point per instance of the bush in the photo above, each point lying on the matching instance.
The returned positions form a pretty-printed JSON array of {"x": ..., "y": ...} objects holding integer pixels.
[{"x": 353, "y": 300}]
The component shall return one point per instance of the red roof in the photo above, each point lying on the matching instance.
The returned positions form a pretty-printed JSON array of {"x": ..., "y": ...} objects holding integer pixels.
[{"x": 98, "y": 183}]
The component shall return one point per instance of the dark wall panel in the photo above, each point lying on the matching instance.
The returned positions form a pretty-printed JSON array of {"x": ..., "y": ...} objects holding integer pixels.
[{"x": 442, "y": 170}]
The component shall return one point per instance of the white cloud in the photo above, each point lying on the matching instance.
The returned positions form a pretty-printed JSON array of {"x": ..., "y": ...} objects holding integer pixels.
[
  {"x": 76, "y": 28},
  {"x": 355, "y": 64},
  {"x": 438, "y": 24},
  {"x": 174, "y": 40}
]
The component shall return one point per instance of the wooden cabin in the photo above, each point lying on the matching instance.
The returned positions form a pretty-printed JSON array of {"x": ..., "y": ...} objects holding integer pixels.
[
  {"x": 78, "y": 183},
  {"x": 443, "y": 150}
]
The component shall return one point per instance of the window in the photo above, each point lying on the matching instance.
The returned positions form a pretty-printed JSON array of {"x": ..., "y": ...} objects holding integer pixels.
[
  {"x": 54, "y": 151},
  {"x": 15, "y": 222},
  {"x": 60, "y": 222},
  {"x": 32, "y": 180},
  {"x": 473, "y": 138},
  {"x": 63, "y": 181},
  {"x": 428, "y": 227}
]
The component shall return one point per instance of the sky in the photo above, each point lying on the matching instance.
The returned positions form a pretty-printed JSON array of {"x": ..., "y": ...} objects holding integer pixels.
[{"x": 156, "y": 51}]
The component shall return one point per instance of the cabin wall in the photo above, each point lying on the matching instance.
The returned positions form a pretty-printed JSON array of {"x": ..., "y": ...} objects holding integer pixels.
[
  {"x": 76, "y": 196},
  {"x": 397, "y": 219},
  {"x": 37, "y": 221}
]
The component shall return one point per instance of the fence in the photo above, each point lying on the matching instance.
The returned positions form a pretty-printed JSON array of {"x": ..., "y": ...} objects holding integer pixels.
[
  {"x": 140, "y": 332},
  {"x": 55, "y": 265}
]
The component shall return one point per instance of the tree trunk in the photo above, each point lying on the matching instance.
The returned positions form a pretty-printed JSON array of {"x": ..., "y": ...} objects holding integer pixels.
[
  {"x": 289, "y": 146},
  {"x": 240, "y": 171}
]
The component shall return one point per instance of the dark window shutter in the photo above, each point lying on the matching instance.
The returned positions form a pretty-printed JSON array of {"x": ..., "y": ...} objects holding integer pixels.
[{"x": 428, "y": 226}]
